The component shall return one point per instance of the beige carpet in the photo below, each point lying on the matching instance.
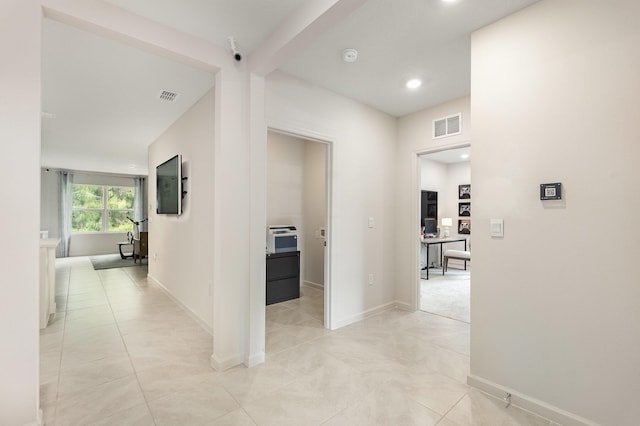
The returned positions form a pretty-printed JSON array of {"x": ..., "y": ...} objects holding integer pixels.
[{"x": 447, "y": 295}]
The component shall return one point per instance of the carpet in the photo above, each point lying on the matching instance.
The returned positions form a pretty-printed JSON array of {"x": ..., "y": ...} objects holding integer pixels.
[
  {"x": 447, "y": 295},
  {"x": 109, "y": 261}
]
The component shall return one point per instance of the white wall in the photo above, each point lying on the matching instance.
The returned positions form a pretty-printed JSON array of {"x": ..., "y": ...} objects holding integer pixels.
[
  {"x": 20, "y": 114},
  {"x": 285, "y": 180},
  {"x": 49, "y": 200},
  {"x": 180, "y": 247},
  {"x": 555, "y": 302},
  {"x": 363, "y": 153},
  {"x": 414, "y": 137}
]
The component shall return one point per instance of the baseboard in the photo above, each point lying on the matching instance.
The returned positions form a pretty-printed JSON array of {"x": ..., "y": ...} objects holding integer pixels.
[
  {"x": 184, "y": 307},
  {"x": 39, "y": 421},
  {"x": 313, "y": 285},
  {"x": 403, "y": 306},
  {"x": 533, "y": 405},
  {"x": 225, "y": 364},
  {"x": 363, "y": 315},
  {"x": 254, "y": 360}
]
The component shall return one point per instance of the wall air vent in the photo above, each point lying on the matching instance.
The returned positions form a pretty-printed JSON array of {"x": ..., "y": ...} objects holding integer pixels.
[
  {"x": 447, "y": 126},
  {"x": 169, "y": 96}
]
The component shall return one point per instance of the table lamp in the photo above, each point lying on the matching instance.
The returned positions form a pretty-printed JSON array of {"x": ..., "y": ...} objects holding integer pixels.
[{"x": 446, "y": 223}]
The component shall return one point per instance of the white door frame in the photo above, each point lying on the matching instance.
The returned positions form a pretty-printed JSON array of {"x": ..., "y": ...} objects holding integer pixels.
[
  {"x": 310, "y": 135},
  {"x": 417, "y": 184}
]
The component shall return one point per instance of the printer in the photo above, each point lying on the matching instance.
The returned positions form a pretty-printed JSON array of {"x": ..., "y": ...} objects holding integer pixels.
[{"x": 282, "y": 238}]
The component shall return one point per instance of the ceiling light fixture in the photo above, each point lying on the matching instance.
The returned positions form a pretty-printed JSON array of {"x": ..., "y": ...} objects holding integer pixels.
[
  {"x": 349, "y": 55},
  {"x": 414, "y": 83},
  {"x": 464, "y": 156}
]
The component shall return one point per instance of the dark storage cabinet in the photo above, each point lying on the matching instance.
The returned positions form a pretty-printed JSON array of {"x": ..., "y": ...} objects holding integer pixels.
[
  {"x": 283, "y": 276},
  {"x": 428, "y": 206}
]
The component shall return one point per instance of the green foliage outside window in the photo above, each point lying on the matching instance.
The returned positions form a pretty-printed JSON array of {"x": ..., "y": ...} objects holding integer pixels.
[{"x": 99, "y": 208}]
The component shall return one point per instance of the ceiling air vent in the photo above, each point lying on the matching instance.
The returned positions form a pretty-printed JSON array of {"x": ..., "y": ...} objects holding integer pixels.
[
  {"x": 169, "y": 96},
  {"x": 447, "y": 126}
]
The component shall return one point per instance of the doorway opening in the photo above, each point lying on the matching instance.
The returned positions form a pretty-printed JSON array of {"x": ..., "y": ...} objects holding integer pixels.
[
  {"x": 445, "y": 220},
  {"x": 298, "y": 194}
]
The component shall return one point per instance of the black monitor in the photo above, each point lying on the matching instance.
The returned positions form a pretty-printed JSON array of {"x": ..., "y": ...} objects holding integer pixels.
[{"x": 430, "y": 226}]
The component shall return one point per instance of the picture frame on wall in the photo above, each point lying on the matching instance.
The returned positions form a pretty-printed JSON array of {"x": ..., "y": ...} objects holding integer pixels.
[
  {"x": 464, "y": 209},
  {"x": 464, "y": 226},
  {"x": 464, "y": 191}
]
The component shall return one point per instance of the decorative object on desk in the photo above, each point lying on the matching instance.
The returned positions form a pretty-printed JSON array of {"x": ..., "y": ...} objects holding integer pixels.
[
  {"x": 136, "y": 226},
  {"x": 551, "y": 191},
  {"x": 446, "y": 223},
  {"x": 464, "y": 191},
  {"x": 464, "y": 209},
  {"x": 464, "y": 226}
]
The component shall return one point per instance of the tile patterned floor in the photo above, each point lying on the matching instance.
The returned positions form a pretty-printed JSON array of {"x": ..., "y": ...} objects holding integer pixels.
[{"x": 120, "y": 352}]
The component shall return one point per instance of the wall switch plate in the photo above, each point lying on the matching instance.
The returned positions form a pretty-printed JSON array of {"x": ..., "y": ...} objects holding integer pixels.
[
  {"x": 370, "y": 222},
  {"x": 497, "y": 228}
]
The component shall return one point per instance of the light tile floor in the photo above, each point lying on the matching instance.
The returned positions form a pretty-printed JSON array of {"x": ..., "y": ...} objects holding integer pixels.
[{"x": 120, "y": 352}]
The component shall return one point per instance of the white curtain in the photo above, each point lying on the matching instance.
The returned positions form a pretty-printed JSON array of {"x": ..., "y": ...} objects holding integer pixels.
[
  {"x": 140, "y": 203},
  {"x": 65, "y": 179}
]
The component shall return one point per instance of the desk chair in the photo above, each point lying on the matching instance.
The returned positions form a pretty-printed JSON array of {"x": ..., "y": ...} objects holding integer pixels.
[{"x": 455, "y": 254}]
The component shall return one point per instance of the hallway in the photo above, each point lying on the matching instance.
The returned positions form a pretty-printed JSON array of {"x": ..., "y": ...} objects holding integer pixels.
[{"x": 120, "y": 352}]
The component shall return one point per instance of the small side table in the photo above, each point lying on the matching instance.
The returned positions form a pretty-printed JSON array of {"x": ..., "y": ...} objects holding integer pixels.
[{"x": 125, "y": 243}]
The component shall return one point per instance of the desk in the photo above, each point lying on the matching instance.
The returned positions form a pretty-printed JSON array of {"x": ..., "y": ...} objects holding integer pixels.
[{"x": 440, "y": 241}]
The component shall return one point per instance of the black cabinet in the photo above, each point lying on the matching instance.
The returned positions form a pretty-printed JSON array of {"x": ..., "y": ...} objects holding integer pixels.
[
  {"x": 428, "y": 206},
  {"x": 283, "y": 276}
]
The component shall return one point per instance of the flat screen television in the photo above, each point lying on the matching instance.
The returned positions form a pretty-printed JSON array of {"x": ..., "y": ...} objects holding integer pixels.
[{"x": 169, "y": 186}]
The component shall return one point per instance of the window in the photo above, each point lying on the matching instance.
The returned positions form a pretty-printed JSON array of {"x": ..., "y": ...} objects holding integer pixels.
[{"x": 97, "y": 208}]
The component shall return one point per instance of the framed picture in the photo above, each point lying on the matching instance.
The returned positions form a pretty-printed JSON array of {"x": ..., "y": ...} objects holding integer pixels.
[
  {"x": 464, "y": 226},
  {"x": 464, "y": 209},
  {"x": 464, "y": 191}
]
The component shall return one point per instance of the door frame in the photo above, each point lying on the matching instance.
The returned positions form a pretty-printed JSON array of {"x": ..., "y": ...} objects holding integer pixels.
[
  {"x": 328, "y": 141},
  {"x": 417, "y": 183}
]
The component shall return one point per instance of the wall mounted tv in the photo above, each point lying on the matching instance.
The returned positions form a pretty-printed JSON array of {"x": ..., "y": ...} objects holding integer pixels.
[{"x": 169, "y": 186}]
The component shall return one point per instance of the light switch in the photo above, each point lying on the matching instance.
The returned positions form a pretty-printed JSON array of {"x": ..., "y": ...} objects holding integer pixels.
[
  {"x": 370, "y": 222},
  {"x": 497, "y": 228}
]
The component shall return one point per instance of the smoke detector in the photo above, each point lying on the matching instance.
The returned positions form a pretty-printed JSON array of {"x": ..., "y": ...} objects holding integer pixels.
[{"x": 349, "y": 55}]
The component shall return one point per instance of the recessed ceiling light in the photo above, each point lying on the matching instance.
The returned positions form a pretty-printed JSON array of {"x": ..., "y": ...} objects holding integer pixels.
[
  {"x": 414, "y": 83},
  {"x": 450, "y": 1},
  {"x": 464, "y": 156},
  {"x": 349, "y": 55}
]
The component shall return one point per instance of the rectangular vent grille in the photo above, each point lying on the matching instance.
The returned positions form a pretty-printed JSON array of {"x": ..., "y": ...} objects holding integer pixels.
[
  {"x": 169, "y": 96},
  {"x": 447, "y": 126}
]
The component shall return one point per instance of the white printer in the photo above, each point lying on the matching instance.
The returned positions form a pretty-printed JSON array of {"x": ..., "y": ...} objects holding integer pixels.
[{"x": 281, "y": 238}]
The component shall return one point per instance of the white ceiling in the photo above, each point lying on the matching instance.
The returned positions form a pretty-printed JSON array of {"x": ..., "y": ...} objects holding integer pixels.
[
  {"x": 104, "y": 94},
  {"x": 450, "y": 156}
]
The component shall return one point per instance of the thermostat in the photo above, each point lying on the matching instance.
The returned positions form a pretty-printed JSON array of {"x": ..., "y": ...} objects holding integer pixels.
[{"x": 551, "y": 191}]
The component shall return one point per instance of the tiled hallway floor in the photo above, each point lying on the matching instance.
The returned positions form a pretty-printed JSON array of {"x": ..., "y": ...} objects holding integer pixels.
[{"x": 120, "y": 352}]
